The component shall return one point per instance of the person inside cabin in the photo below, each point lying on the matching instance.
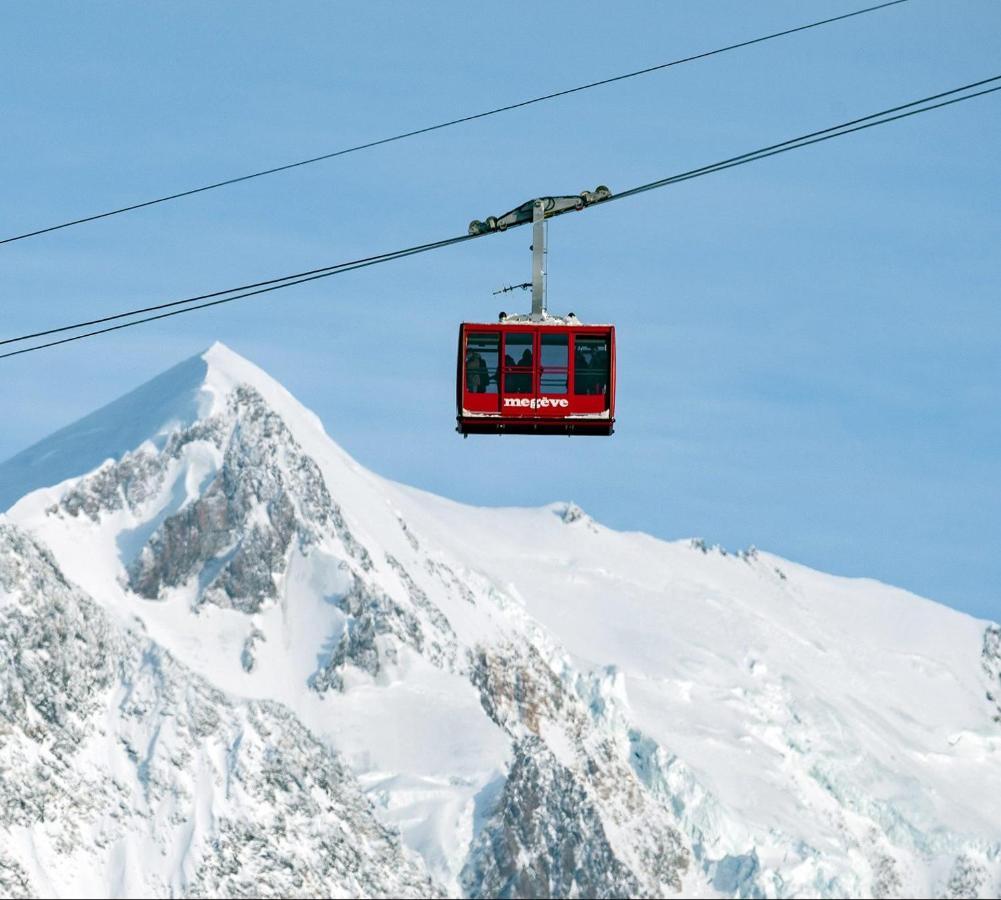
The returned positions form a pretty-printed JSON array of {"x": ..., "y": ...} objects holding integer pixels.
[
  {"x": 599, "y": 364},
  {"x": 525, "y": 377},
  {"x": 471, "y": 370},
  {"x": 583, "y": 379},
  {"x": 484, "y": 375},
  {"x": 476, "y": 373}
]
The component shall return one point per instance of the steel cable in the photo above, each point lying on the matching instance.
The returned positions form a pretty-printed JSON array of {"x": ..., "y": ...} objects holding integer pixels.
[
  {"x": 858, "y": 124},
  {"x": 448, "y": 124}
]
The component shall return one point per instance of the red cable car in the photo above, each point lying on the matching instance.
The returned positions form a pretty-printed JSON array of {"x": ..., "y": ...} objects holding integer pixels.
[
  {"x": 527, "y": 378},
  {"x": 536, "y": 373}
]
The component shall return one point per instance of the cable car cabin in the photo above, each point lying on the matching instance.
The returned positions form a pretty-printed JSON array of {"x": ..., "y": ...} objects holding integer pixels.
[
  {"x": 536, "y": 378},
  {"x": 536, "y": 373}
]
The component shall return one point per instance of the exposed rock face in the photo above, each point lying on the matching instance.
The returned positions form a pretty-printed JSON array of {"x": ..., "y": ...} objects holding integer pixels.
[
  {"x": 105, "y": 738},
  {"x": 137, "y": 477},
  {"x": 967, "y": 879},
  {"x": 441, "y": 649},
  {"x": 237, "y": 534},
  {"x": 265, "y": 494},
  {"x": 517, "y": 689},
  {"x": 546, "y": 838},
  {"x": 991, "y": 659},
  {"x": 369, "y": 614},
  {"x": 376, "y": 626},
  {"x": 14, "y": 881},
  {"x": 526, "y": 696}
]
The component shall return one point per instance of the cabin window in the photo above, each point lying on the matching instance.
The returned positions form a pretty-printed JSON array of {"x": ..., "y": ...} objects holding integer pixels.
[
  {"x": 555, "y": 363},
  {"x": 518, "y": 362},
  {"x": 482, "y": 361},
  {"x": 590, "y": 364}
]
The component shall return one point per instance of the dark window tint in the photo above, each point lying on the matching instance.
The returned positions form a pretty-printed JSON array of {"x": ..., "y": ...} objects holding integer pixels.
[
  {"x": 482, "y": 360},
  {"x": 590, "y": 364},
  {"x": 555, "y": 361},
  {"x": 518, "y": 363}
]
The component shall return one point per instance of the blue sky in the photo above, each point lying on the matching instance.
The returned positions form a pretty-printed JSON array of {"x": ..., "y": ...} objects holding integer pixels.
[{"x": 808, "y": 345}]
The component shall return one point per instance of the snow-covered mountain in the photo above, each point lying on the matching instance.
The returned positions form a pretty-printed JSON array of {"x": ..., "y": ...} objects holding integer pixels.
[{"x": 234, "y": 662}]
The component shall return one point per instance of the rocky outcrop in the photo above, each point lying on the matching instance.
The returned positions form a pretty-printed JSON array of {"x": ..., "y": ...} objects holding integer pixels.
[
  {"x": 545, "y": 838},
  {"x": 990, "y": 658},
  {"x": 966, "y": 879},
  {"x": 236, "y": 536},
  {"x": 109, "y": 746},
  {"x": 137, "y": 477},
  {"x": 375, "y": 627},
  {"x": 537, "y": 705}
]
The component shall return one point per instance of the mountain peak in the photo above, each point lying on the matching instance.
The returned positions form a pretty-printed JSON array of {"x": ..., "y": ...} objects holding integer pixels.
[
  {"x": 540, "y": 705},
  {"x": 222, "y": 362},
  {"x": 175, "y": 399}
]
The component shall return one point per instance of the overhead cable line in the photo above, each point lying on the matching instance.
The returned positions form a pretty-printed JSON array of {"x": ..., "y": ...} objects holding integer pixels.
[
  {"x": 297, "y": 277},
  {"x": 881, "y": 118},
  {"x": 815, "y": 137},
  {"x": 288, "y": 281},
  {"x": 448, "y": 124}
]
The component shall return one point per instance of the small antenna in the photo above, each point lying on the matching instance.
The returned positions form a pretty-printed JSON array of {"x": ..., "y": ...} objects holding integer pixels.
[{"x": 514, "y": 287}]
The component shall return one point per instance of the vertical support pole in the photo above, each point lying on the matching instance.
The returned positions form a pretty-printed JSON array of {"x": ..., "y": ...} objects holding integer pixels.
[{"x": 538, "y": 258}]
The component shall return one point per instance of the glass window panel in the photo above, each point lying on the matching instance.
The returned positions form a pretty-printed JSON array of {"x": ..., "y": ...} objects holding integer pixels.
[
  {"x": 482, "y": 361},
  {"x": 555, "y": 360},
  {"x": 591, "y": 364},
  {"x": 518, "y": 363}
]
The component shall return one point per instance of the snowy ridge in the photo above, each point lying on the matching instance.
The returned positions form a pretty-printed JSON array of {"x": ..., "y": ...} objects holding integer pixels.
[{"x": 537, "y": 705}]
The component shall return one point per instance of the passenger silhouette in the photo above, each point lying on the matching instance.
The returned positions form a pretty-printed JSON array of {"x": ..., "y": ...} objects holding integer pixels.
[
  {"x": 525, "y": 378},
  {"x": 600, "y": 366},
  {"x": 476, "y": 373},
  {"x": 510, "y": 378},
  {"x": 583, "y": 379}
]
